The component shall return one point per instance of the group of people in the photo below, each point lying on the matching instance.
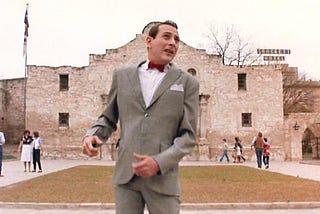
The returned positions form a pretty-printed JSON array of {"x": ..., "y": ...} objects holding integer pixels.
[
  {"x": 237, "y": 151},
  {"x": 30, "y": 148},
  {"x": 262, "y": 149},
  {"x": 260, "y": 144}
]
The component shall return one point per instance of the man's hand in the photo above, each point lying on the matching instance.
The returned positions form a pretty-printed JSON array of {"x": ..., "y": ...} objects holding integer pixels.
[
  {"x": 147, "y": 166},
  {"x": 87, "y": 146}
]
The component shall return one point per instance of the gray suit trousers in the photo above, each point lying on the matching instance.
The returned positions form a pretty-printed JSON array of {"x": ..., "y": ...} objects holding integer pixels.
[{"x": 132, "y": 197}]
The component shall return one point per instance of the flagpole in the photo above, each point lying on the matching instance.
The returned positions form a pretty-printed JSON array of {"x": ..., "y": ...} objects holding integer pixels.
[{"x": 25, "y": 52}]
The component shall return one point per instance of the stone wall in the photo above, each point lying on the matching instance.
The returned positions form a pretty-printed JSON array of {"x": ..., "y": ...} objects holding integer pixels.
[
  {"x": 295, "y": 135},
  {"x": 12, "y": 121}
]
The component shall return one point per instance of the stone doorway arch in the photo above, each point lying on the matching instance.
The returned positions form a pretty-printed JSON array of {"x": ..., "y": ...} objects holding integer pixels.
[{"x": 311, "y": 142}]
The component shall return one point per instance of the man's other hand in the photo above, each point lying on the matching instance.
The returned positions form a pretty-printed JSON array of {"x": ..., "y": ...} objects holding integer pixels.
[
  {"x": 87, "y": 146},
  {"x": 146, "y": 167}
]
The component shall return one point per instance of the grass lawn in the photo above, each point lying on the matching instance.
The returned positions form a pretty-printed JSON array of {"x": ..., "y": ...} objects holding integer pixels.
[{"x": 200, "y": 184}]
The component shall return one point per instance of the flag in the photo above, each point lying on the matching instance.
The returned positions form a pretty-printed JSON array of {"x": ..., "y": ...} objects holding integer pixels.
[{"x": 26, "y": 34}]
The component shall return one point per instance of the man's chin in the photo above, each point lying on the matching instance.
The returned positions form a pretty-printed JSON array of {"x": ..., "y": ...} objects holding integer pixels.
[{"x": 167, "y": 59}]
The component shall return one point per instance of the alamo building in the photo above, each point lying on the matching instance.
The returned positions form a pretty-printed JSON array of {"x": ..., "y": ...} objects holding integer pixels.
[{"x": 63, "y": 102}]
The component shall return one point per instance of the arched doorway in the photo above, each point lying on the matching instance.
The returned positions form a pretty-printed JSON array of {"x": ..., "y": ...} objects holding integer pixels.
[
  {"x": 311, "y": 143},
  {"x": 306, "y": 145}
]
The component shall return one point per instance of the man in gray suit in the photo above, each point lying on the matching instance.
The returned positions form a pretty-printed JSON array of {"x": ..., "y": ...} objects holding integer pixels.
[{"x": 157, "y": 106}]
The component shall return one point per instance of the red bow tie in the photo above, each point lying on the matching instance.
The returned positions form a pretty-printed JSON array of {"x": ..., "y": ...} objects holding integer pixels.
[{"x": 157, "y": 66}]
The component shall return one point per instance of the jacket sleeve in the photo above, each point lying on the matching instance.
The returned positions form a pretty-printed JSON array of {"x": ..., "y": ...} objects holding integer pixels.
[
  {"x": 186, "y": 138},
  {"x": 107, "y": 121}
]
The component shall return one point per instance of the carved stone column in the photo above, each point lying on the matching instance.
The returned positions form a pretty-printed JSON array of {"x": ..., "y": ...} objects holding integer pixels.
[
  {"x": 203, "y": 101},
  {"x": 202, "y": 147}
]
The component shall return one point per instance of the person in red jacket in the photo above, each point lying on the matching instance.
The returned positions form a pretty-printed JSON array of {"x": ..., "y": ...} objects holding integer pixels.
[{"x": 266, "y": 153}]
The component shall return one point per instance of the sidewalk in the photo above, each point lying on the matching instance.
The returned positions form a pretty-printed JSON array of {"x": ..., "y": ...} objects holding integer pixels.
[{"x": 14, "y": 173}]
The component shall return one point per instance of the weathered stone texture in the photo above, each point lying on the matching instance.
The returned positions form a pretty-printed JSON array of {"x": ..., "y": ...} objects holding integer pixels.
[{"x": 12, "y": 117}]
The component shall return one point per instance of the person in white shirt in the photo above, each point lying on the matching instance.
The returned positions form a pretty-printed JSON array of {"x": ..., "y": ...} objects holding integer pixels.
[
  {"x": 2, "y": 141},
  {"x": 225, "y": 151},
  {"x": 36, "y": 151}
]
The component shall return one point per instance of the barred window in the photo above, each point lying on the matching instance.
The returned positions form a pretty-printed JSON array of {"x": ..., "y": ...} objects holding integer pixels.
[
  {"x": 242, "y": 81},
  {"x": 63, "y": 119},
  {"x": 64, "y": 82},
  {"x": 246, "y": 120}
]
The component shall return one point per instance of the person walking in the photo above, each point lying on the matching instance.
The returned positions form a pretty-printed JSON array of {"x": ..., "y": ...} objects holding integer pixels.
[
  {"x": 2, "y": 142},
  {"x": 26, "y": 149},
  {"x": 266, "y": 153},
  {"x": 257, "y": 143},
  {"x": 225, "y": 151},
  {"x": 239, "y": 144},
  {"x": 157, "y": 106},
  {"x": 37, "y": 145}
]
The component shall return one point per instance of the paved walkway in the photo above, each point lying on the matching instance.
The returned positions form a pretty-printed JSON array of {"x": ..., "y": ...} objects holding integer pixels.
[{"x": 14, "y": 173}]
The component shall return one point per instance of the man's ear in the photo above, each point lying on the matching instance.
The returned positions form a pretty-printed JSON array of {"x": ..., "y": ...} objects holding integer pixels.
[{"x": 148, "y": 41}]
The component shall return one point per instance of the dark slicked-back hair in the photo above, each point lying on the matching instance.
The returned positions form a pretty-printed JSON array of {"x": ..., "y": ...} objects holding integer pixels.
[{"x": 154, "y": 30}]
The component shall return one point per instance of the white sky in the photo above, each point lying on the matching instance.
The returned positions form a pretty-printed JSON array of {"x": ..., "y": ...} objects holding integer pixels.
[{"x": 65, "y": 32}]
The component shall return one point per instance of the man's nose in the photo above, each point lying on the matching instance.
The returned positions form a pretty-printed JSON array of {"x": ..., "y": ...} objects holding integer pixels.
[{"x": 172, "y": 41}]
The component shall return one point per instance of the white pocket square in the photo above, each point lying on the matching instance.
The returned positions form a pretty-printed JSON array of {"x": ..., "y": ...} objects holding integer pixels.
[{"x": 176, "y": 87}]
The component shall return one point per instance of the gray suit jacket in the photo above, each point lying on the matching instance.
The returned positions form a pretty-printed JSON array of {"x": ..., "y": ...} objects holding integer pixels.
[{"x": 165, "y": 130}]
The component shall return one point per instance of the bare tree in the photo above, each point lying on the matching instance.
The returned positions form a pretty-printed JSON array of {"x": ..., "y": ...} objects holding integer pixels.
[
  {"x": 233, "y": 49},
  {"x": 298, "y": 96}
]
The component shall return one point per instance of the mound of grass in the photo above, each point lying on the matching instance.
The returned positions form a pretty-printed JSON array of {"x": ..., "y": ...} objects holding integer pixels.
[{"x": 214, "y": 184}]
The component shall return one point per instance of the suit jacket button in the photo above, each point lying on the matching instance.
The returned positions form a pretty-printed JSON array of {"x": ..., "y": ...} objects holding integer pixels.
[{"x": 146, "y": 115}]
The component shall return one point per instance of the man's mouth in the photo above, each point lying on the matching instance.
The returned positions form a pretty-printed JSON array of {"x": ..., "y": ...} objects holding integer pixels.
[{"x": 169, "y": 51}]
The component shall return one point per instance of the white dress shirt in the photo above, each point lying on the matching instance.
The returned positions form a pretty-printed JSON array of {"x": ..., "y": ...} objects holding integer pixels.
[{"x": 150, "y": 79}]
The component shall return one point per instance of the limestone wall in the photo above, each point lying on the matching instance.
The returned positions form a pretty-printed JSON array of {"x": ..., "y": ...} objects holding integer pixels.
[{"x": 12, "y": 109}]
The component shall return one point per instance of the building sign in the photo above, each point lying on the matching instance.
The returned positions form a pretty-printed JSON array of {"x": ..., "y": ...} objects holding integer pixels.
[
  {"x": 273, "y": 51},
  {"x": 273, "y": 58}
]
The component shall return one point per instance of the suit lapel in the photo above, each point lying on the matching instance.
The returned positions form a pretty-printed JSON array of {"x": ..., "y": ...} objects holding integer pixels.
[
  {"x": 135, "y": 83},
  {"x": 167, "y": 81}
]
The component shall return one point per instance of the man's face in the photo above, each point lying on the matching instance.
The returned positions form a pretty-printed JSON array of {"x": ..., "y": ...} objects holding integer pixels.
[{"x": 164, "y": 47}]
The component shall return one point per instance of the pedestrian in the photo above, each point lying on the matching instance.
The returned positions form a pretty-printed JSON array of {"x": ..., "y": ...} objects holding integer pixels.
[
  {"x": 26, "y": 149},
  {"x": 37, "y": 145},
  {"x": 157, "y": 106},
  {"x": 2, "y": 141},
  {"x": 257, "y": 143},
  {"x": 266, "y": 153},
  {"x": 225, "y": 151},
  {"x": 236, "y": 144}
]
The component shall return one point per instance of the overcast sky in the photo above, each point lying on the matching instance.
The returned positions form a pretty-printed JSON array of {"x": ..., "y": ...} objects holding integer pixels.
[{"x": 65, "y": 32}]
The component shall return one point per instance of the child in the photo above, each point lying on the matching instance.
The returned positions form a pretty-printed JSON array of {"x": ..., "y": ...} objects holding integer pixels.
[
  {"x": 237, "y": 154},
  {"x": 266, "y": 153},
  {"x": 225, "y": 151}
]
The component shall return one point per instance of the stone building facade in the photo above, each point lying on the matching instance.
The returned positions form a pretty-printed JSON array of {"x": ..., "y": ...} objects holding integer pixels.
[
  {"x": 62, "y": 102},
  {"x": 12, "y": 111}
]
